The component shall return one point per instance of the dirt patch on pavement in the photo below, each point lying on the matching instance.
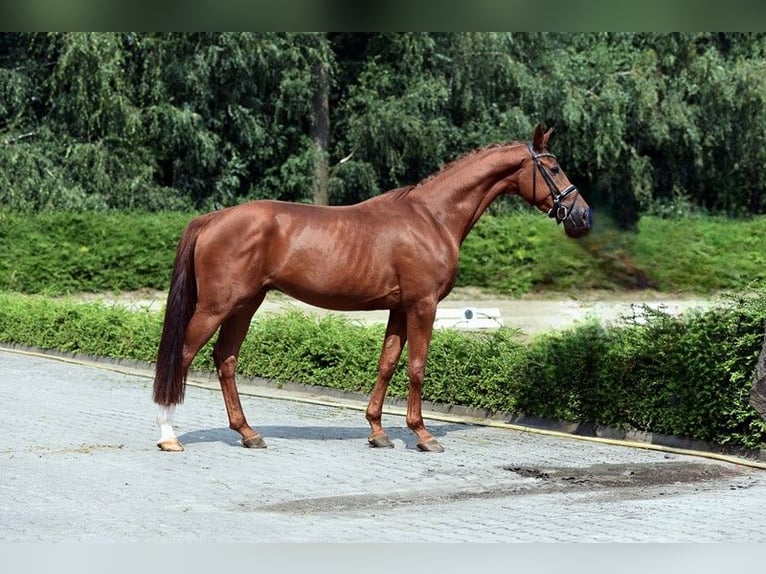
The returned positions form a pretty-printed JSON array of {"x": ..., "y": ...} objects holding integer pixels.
[
  {"x": 620, "y": 481},
  {"x": 626, "y": 475}
]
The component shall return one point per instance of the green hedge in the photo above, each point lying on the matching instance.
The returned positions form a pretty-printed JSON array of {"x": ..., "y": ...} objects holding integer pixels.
[
  {"x": 60, "y": 252},
  {"x": 686, "y": 377},
  {"x": 515, "y": 253}
]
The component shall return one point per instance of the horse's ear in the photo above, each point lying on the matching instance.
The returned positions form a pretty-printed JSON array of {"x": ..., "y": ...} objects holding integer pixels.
[
  {"x": 539, "y": 139},
  {"x": 546, "y": 137}
]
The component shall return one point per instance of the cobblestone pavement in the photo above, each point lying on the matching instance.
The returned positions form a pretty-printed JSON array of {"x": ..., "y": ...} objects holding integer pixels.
[{"x": 79, "y": 463}]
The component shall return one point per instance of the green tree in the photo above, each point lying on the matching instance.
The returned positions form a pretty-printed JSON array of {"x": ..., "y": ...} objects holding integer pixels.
[
  {"x": 202, "y": 120},
  {"x": 235, "y": 114}
]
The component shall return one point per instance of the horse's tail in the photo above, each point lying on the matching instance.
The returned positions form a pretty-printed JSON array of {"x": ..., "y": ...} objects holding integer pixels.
[{"x": 170, "y": 375}]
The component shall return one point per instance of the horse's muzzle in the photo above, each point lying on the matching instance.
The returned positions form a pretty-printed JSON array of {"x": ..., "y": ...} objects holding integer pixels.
[{"x": 579, "y": 222}]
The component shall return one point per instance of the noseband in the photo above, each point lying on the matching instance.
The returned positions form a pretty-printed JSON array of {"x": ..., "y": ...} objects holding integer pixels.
[{"x": 559, "y": 211}]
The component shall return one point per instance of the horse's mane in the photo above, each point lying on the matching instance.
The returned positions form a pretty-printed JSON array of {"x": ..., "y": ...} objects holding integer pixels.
[
  {"x": 398, "y": 193},
  {"x": 402, "y": 192},
  {"x": 461, "y": 158}
]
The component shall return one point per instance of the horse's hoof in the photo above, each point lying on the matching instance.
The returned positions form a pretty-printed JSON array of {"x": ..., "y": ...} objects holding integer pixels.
[
  {"x": 254, "y": 442},
  {"x": 430, "y": 445},
  {"x": 381, "y": 441},
  {"x": 171, "y": 445}
]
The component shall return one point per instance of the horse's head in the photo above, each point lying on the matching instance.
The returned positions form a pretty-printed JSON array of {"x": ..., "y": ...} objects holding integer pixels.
[{"x": 544, "y": 184}]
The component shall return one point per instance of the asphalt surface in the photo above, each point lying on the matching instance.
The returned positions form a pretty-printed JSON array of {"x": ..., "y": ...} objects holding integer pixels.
[{"x": 79, "y": 463}]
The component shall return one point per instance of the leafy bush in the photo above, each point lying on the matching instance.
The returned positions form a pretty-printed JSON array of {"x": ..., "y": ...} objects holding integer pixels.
[
  {"x": 328, "y": 351},
  {"x": 86, "y": 328},
  {"x": 559, "y": 377},
  {"x": 690, "y": 376},
  {"x": 687, "y": 376},
  {"x": 60, "y": 252}
]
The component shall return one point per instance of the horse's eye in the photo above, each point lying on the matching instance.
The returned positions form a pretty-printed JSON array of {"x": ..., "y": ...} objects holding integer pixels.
[{"x": 555, "y": 169}]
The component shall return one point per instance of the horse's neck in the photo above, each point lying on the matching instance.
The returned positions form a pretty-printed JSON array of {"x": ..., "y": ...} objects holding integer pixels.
[{"x": 460, "y": 195}]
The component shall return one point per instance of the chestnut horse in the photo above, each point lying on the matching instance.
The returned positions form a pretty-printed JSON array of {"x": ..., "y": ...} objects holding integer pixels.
[{"x": 397, "y": 251}]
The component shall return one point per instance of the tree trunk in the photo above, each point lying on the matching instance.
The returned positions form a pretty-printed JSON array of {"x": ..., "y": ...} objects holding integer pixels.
[
  {"x": 320, "y": 134},
  {"x": 758, "y": 390}
]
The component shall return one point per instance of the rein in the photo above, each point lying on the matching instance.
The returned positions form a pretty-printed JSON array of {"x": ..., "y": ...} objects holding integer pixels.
[{"x": 559, "y": 211}]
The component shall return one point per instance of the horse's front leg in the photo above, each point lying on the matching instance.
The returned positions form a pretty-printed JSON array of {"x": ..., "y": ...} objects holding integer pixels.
[
  {"x": 396, "y": 335},
  {"x": 420, "y": 324}
]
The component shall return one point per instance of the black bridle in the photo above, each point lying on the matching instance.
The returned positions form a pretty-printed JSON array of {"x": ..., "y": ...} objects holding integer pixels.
[{"x": 559, "y": 211}]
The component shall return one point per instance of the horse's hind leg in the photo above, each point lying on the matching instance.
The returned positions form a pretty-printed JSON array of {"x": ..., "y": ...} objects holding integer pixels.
[
  {"x": 225, "y": 354},
  {"x": 396, "y": 335},
  {"x": 199, "y": 331},
  {"x": 168, "y": 440}
]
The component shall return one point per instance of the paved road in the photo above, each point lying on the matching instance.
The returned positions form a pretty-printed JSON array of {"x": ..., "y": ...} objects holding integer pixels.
[{"x": 78, "y": 463}]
